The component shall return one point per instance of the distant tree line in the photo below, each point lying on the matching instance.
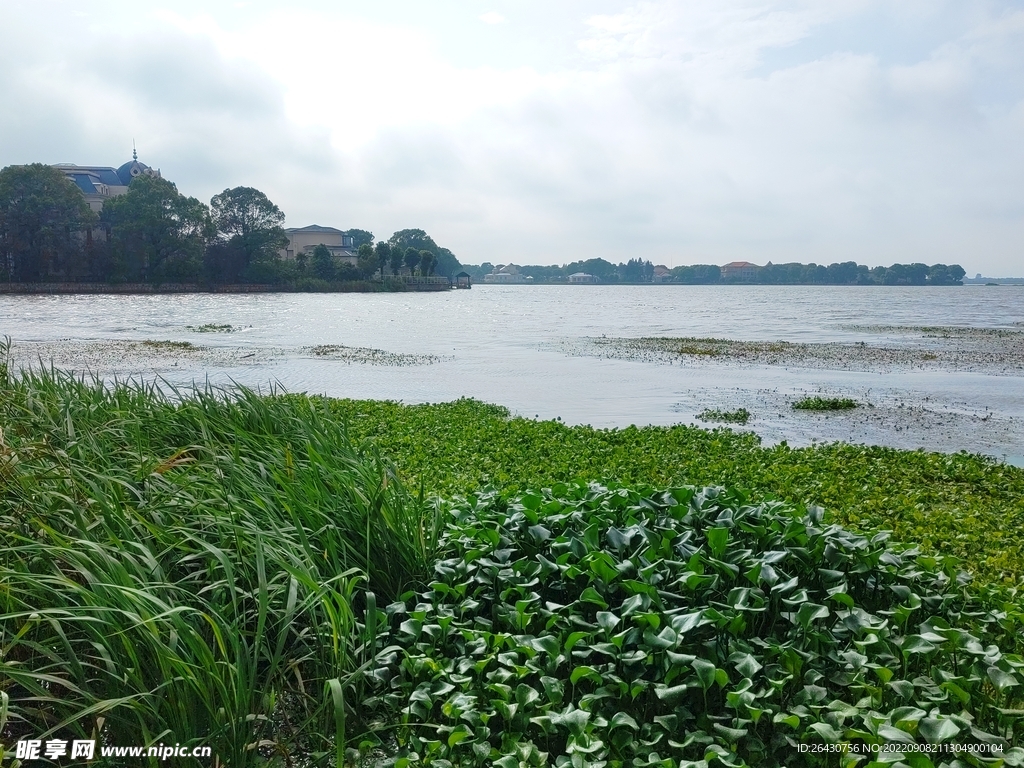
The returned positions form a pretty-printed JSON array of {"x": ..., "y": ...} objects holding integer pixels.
[
  {"x": 154, "y": 234},
  {"x": 846, "y": 273}
]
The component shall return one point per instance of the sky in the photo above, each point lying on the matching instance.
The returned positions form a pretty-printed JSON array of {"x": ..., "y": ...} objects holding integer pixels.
[{"x": 547, "y": 131}]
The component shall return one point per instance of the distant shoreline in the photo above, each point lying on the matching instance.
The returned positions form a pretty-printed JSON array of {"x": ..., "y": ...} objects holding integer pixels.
[{"x": 355, "y": 286}]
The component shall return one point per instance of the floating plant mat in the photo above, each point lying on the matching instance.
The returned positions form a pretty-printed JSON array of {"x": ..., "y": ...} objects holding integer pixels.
[
  {"x": 131, "y": 355},
  {"x": 369, "y": 356},
  {"x": 992, "y": 351},
  {"x": 135, "y": 356}
]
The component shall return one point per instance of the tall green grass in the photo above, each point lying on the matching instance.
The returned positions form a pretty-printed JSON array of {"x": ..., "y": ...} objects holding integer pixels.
[{"x": 188, "y": 567}]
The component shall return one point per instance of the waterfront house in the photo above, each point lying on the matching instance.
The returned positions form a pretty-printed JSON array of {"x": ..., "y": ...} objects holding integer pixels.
[
  {"x": 581, "y": 278},
  {"x": 305, "y": 239},
  {"x": 739, "y": 270},
  {"x": 99, "y": 183},
  {"x": 505, "y": 274},
  {"x": 662, "y": 274}
]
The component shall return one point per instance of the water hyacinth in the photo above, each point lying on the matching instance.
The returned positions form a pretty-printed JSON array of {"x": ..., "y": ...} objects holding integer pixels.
[{"x": 595, "y": 626}]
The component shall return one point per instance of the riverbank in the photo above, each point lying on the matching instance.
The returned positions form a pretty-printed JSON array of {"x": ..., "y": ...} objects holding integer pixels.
[{"x": 309, "y": 285}]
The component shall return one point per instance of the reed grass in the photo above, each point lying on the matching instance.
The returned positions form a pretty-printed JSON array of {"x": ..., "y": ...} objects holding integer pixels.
[{"x": 192, "y": 567}]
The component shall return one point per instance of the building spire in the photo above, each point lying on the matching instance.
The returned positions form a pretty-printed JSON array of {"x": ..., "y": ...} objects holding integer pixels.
[{"x": 135, "y": 155}]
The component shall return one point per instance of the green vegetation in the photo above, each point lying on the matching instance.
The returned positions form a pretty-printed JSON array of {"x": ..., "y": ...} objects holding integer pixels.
[
  {"x": 169, "y": 346},
  {"x": 155, "y": 234},
  {"x": 593, "y": 626},
  {"x": 958, "y": 504},
  {"x": 192, "y": 568},
  {"x": 39, "y": 211},
  {"x": 818, "y": 403},
  {"x": 210, "y": 328},
  {"x": 248, "y": 573},
  {"x": 637, "y": 270},
  {"x": 739, "y": 416}
]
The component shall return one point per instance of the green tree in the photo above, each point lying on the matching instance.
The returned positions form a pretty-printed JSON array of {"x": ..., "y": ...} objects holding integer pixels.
[
  {"x": 157, "y": 233},
  {"x": 367, "y": 261},
  {"x": 412, "y": 238},
  {"x": 427, "y": 261},
  {"x": 41, "y": 214},
  {"x": 382, "y": 252},
  {"x": 396, "y": 260},
  {"x": 412, "y": 258},
  {"x": 322, "y": 263},
  {"x": 360, "y": 237},
  {"x": 445, "y": 264},
  {"x": 251, "y": 227}
]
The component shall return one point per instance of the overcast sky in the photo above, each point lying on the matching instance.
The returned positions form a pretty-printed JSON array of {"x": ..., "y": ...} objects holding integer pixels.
[{"x": 544, "y": 131}]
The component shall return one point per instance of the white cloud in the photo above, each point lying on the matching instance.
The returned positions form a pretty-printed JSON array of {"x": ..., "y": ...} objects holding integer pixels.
[
  {"x": 493, "y": 17},
  {"x": 677, "y": 131}
]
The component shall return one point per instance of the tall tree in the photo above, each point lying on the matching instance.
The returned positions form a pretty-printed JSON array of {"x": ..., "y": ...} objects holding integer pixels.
[
  {"x": 382, "y": 251},
  {"x": 157, "y": 233},
  {"x": 396, "y": 260},
  {"x": 445, "y": 262},
  {"x": 323, "y": 263},
  {"x": 41, "y": 214},
  {"x": 412, "y": 258},
  {"x": 427, "y": 261},
  {"x": 251, "y": 227},
  {"x": 360, "y": 237},
  {"x": 412, "y": 238},
  {"x": 367, "y": 261}
]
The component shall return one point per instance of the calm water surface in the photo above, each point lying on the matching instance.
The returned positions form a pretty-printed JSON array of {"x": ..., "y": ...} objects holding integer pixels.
[{"x": 508, "y": 345}]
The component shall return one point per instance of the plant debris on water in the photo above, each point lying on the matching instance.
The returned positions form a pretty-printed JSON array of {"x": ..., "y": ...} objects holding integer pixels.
[
  {"x": 999, "y": 351},
  {"x": 739, "y": 416},
  {"x": 370, "y": 356},
  {"x": 210, "y": 328},
  {"x": 818, "y": 403}
]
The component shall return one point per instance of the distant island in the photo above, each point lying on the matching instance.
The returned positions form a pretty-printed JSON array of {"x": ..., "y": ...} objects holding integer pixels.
[{"x": 636, "y": 271}]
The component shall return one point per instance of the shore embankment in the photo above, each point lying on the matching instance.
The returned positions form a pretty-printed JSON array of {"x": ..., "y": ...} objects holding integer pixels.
[{"x": 400, "y": 283}]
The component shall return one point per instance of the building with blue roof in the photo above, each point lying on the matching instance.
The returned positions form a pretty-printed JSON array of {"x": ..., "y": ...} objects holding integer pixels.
[{"x": 99, "y": 183}]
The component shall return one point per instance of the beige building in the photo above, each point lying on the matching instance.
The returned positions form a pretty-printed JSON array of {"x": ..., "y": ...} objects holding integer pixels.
[
  {"x": 305, "y": 239},
  {"x": 739, "y": 270},
  {"x": 100, "y": 183}
]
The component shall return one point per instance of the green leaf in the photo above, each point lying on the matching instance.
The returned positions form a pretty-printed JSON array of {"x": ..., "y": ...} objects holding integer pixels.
[
  {"x": 826, "y": 732},
  {"x": 937, "y": 730},
  {"x": 745, "y": 664},
  {"x": 607, "y": 620},
  {"x": 1001, "y": 679},
  {"x": 705, "y": 672},
  {"x": 591, "y": 595},
  {"x": 916, "y": 644},
  {"x": 717, "y": 540},
  {"x": 623, "y": 720}
]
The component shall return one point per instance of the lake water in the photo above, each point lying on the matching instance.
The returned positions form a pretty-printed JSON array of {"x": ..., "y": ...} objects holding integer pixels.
[{"x": 520, "y": 346}]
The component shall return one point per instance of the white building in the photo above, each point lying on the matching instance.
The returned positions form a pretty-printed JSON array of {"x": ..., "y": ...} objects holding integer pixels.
[
  {"x": 582, "y": 278},
  {"x": 506, "y": 274}
]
